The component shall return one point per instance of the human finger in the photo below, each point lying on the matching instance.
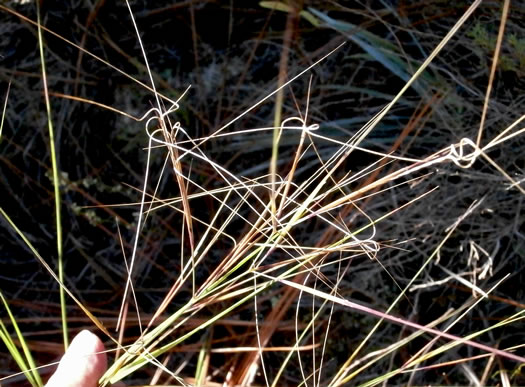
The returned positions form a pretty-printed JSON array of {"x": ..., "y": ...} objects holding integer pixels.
[{"x": 83, "y": 363}]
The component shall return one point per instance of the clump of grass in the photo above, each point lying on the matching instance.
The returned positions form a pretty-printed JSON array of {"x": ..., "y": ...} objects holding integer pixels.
[
  {"x": 23, "y": 359},
  {"x": 290, "y": 252}
]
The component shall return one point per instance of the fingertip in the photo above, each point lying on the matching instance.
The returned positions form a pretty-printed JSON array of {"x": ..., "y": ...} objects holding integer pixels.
[{"x": 83, "y": 363}]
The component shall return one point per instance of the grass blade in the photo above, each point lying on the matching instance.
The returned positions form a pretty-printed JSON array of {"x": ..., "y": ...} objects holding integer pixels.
[
  {"x": 25, "y": 361},
  {"x": 56, "y": 184}
]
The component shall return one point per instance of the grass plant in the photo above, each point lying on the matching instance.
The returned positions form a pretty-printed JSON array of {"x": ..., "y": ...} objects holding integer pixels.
[{"x": 367, "y": 237}]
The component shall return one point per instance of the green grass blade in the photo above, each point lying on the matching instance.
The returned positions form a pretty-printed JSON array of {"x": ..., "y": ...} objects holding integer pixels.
[
  {"x": 90, "y": 315},
  {"x": 202, "y": 362},
  {"x": 56, "y": 183},
  {"x": 27, "y": 365},
  {"x": 14, "y": 352}
]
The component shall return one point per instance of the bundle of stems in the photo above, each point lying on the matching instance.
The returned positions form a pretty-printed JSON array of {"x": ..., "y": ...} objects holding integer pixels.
[{"x": 292, "y": 235}]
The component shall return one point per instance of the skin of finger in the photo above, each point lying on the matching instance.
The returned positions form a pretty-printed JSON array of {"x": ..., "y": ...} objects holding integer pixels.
[{"x": 83, "y": 363}]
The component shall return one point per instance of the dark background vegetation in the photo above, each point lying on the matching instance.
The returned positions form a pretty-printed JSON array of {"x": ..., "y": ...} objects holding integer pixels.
[{"x": 229, "y": 52}]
